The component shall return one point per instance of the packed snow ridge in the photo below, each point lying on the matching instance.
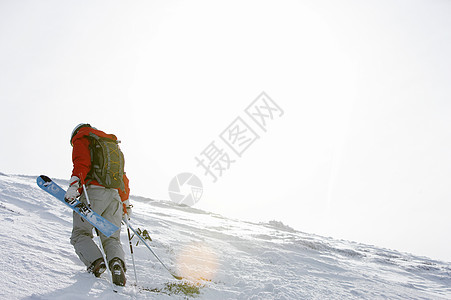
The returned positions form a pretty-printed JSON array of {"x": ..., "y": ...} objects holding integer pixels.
[{"x": 219, "y": 258}]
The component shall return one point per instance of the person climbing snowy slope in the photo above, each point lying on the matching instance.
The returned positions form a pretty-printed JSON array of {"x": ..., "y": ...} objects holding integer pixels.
[{"x": 98, "y": 164}]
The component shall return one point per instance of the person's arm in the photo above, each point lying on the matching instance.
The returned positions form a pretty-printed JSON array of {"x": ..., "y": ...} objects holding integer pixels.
[{"x": 81, "y": 158}]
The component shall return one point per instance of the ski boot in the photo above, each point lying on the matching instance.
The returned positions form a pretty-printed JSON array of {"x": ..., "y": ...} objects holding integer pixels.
[
  {"x": 118, "y": 271},
  {"x": 97, "y": 267}
]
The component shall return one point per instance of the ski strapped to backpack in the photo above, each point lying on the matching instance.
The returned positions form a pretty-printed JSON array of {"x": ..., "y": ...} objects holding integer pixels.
[{"x": 107, "y": 162}]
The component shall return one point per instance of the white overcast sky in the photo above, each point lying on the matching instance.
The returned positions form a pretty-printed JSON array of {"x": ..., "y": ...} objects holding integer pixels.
[{"x": 362, "y": 151}]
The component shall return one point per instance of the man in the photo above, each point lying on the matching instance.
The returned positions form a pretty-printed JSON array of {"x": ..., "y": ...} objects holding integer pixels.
[{"x": 111, "y": 203}]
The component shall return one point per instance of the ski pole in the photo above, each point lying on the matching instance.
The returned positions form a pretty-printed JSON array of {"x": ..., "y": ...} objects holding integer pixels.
[
  {"x": 131, "y": 247},
  {"x": 101, "y": 245},
  {"x": 148, "y": 247}
]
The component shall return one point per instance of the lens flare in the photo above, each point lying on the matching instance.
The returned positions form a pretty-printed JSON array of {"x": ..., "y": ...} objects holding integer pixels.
[{"x": 198, "y": 262}]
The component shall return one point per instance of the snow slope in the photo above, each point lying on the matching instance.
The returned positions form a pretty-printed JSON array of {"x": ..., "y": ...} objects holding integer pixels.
[{"x": 221, "y": 258}]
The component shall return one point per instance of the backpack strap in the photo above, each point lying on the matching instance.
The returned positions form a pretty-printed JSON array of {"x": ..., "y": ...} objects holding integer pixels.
[{"x": 92, "y": 175}]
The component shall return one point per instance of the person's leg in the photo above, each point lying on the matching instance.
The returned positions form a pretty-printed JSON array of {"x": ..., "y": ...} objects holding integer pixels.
[
  {"x": 81, "y": 239},
  {"x": 107, "y": 203},
  {"x": 113, "y": 212},
  {"x": 112, "y": 245}
]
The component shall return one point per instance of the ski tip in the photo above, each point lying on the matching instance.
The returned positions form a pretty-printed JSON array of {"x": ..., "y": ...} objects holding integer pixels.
[
  {"x": 45, "y": 178},
  {"x": 177, "y": 277}
]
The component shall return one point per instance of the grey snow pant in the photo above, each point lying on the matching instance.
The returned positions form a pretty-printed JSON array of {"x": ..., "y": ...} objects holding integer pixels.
[{"x": 107, "y": 203}]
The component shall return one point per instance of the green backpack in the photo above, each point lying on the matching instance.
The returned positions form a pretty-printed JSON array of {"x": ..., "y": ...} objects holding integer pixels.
[{"x": 107, "y": 162}]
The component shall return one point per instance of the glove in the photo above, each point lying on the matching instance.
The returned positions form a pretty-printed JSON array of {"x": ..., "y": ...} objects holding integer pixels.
[
  {"x": 127, "y": 208},
  {"x": 72, "y": 191}
]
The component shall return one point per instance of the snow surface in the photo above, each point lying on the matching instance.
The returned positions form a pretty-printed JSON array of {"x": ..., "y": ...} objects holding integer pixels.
[{"x": 221, "y": 258}]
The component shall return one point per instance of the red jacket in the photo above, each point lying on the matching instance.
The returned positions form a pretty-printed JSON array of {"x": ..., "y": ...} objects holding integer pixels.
[{"x": 81, "y": 157}]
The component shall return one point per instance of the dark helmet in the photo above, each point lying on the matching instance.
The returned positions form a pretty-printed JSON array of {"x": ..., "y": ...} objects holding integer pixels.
[{"x": 76, "y": 129}]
